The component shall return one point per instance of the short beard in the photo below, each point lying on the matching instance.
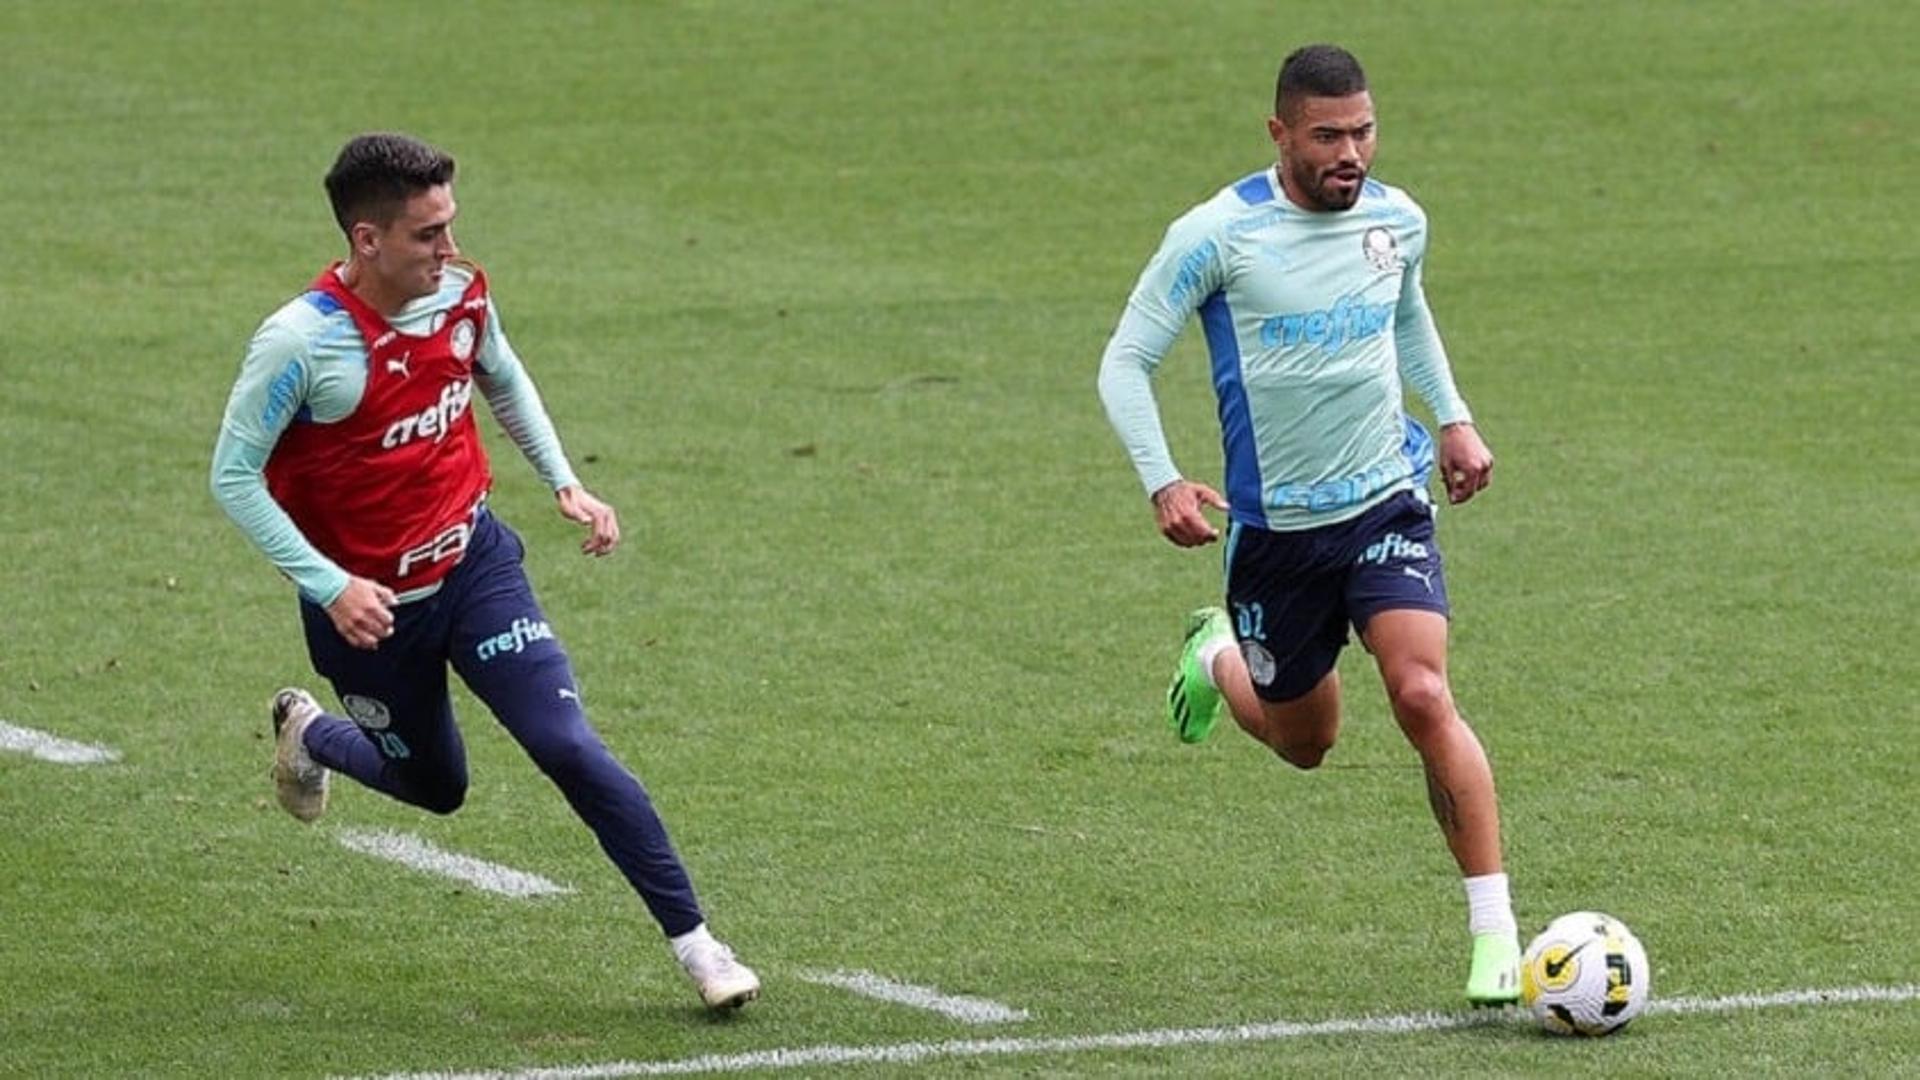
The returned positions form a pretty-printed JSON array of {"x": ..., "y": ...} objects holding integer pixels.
[{"x": 1311, "y": 185}]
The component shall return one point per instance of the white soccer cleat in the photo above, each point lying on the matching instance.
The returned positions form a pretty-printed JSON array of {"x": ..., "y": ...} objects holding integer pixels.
[
  {"x": 300, "y": 781},
  {"x": 724, "y": 983}
]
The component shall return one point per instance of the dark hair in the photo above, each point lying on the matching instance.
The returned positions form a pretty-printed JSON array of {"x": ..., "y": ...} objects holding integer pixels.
[
  {"x": 376, "y": 174},
  {"x": 1317, "y": 71}
]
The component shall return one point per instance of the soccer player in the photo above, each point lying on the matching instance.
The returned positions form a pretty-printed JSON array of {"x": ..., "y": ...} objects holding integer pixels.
[
  {"x": 349, "y": 455},
  {"x": 1306, "y": 278}
]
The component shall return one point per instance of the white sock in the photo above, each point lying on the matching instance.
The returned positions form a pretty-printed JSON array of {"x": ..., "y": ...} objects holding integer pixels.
[
  {"x": 1489, "y": 907},
  {"x": 1210, "y": 652},
  {"x": 685, "y": 944}
]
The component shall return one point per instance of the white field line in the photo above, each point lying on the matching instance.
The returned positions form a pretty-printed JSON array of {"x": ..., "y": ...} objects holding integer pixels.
[
  {"x": 53, "y": 748},
  {"x": 1155, "y": 1039},
  {"x": 967, "y": 1010},
  {"x": 411, "y": 851}
]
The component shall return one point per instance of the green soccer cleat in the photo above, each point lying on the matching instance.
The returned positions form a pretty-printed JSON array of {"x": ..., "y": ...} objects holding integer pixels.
[
  {"x": 1193, "y": 704},
  {"x": 1495, "y": 978}
]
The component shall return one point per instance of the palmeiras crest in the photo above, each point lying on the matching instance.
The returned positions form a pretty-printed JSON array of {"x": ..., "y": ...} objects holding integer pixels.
[{"x": 1381, "y": 249}]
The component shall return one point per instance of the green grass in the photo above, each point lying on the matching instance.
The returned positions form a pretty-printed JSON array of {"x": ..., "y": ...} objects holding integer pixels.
[{"x": 816, "y": 293}]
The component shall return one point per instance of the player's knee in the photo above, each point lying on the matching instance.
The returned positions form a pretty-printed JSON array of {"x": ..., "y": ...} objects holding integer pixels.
[
  {"x": 435, "y": 785},
  {"x": 445, "y": 797},
  {"x": 1302, "y": 731},
  {"x": 1421, "y": 702},
  {"x": 445, "y": 802},
  {"x": 1305, "y": 753},
  {"x": 573, "y": 752}
]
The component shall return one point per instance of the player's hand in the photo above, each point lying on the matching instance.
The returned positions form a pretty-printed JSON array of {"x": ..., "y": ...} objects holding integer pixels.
[
  {"x": 1178, "y": 508},
  {"x": 363, "y": 613},
  {"x": 603, "y": 525},
  {"x": 1466, "y": 465}
]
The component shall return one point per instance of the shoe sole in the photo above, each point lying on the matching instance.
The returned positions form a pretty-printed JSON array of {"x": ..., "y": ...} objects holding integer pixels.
[
  {"x": 297, "y": 801},
  {"x": 734, "y": 1000}
]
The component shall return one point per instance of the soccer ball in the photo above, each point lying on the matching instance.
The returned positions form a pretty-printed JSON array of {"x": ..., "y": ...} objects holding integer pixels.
[{"x": 1586, "y": 974}]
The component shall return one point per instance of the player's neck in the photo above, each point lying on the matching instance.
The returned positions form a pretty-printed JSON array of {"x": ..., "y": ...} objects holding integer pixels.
[{"x": 377, "y": 293}]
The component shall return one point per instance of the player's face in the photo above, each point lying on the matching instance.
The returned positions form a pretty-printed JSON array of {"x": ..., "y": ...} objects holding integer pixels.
[
  {"x": 1325, "y": 150},
  {"x": 411, "y": 253}
]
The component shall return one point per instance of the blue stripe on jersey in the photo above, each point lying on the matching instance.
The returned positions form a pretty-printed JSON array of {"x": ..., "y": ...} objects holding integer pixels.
[
  {"x": 280, "y": 395},
  {"x": 322, "y": 301},
  {"x": 1419, "y": 450},
  {"x": 1373, "y": 188},
  {"x": 1256, "y": 189},
  {"x": 1236, "y": 423}
]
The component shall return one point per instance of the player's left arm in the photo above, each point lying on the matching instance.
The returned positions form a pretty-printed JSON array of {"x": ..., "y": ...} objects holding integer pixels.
[
  {"x": 515, "y": 403},
  {"x": 1466, "y": 464}
]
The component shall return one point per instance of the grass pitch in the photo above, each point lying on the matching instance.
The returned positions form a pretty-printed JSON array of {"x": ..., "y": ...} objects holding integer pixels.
[{"x": 815, "y": 294}]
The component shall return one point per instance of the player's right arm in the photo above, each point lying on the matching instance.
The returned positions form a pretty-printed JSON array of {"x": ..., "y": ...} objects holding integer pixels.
[
  {"x": 272, "y": 386},
  {"x": 1183, "y": 273}
]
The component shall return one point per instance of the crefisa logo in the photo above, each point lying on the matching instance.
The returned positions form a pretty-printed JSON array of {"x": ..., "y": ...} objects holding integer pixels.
[{"x": 515, "y": 638}]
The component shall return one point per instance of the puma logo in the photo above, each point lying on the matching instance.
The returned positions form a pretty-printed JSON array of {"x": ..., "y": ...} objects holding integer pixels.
[
  {"x": 399, "y": 366},
  {"x": 1426, "y": 577}
]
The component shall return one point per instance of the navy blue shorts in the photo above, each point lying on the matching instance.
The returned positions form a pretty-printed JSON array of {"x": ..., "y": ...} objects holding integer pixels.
[
  {"x": 1293, "y": 594},
  {"x": 483, "y": 621},
  {"x": 485, "y": 624}
]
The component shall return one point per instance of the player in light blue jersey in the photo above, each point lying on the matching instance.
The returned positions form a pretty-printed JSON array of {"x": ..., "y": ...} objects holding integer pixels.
[{"x": 1306, "y": 278}]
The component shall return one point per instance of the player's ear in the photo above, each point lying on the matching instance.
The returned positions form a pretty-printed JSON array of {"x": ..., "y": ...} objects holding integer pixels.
[
  {"x": 1276, "y": 129},
  {"x": 362, "y": 238}
]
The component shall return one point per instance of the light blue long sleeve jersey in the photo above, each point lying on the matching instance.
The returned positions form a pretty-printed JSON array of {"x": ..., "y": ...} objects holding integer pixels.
[
  {"x": 307, "y": 363},
  {"x": 1311, "y": 320}
]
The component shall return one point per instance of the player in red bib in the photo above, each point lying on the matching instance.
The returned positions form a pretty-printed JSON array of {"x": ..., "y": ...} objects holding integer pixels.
[
  {"x": 348, "y": 453},
  {"x": 390, "y": 490}
]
